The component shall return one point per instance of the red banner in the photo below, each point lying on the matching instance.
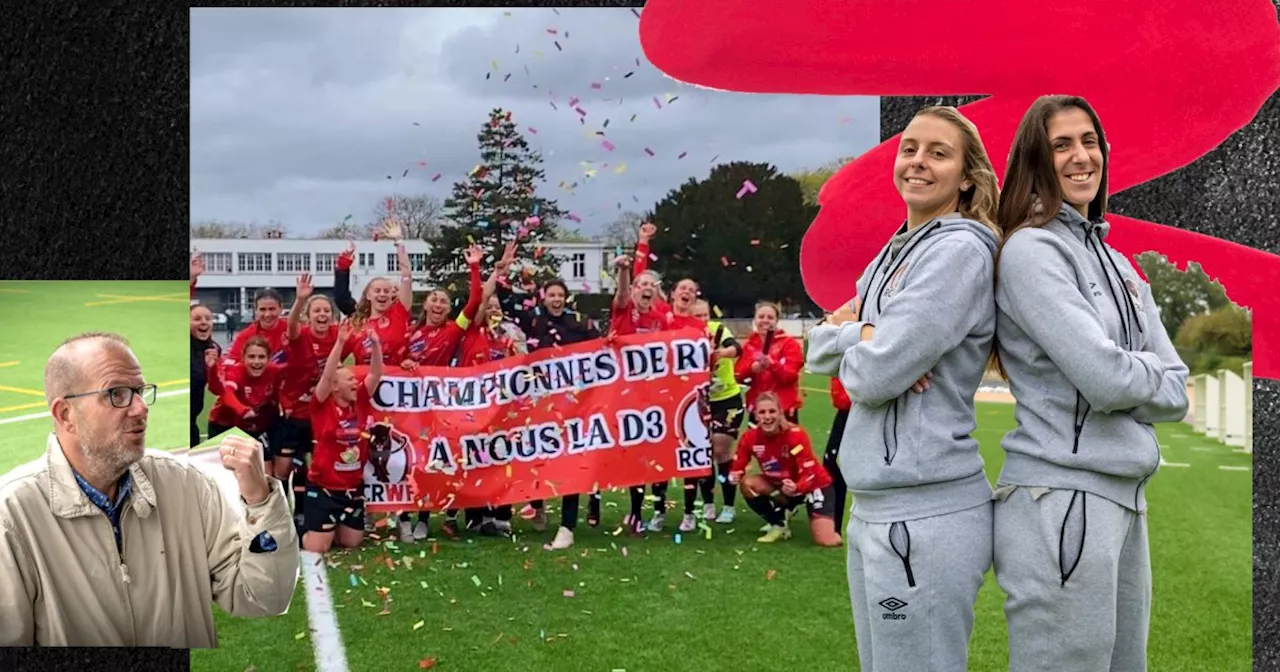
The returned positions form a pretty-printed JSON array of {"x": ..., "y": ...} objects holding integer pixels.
[{"x": 554, "y": 422}]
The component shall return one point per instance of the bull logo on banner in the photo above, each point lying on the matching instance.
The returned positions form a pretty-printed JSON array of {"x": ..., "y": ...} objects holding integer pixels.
[{"x": 386, "y": 475}]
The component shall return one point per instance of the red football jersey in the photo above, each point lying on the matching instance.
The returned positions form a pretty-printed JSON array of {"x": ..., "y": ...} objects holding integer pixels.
[
  {"x": 341, "y": 450},
  {"x": 242, "y": 393},
  {"x": 629, "y": 320},
  {"x": 307, "y": 355},
  {"x": 277, "y": 338},
  {"x": 392, "y": 329},
  {"x": 785, "y": 455},
  {"x": 682, "y": 321}
]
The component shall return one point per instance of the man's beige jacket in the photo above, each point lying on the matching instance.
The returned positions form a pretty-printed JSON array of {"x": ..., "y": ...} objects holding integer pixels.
[{"x": 185, "y": 547}]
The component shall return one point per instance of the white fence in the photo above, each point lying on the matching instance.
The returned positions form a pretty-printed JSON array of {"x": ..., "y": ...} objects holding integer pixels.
[{"x": 1222, "y": 406}]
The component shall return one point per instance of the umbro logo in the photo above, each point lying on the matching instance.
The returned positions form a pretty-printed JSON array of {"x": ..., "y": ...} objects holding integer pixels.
[{"x": 893, "y": 604}]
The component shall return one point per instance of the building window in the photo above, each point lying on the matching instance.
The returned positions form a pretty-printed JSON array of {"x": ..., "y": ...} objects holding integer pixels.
[
  {"x": 418, "y": 262},
  {"x": 325, "y": 262},
  {"x": 293, "y": 262},
  {"x": 255, "y": 262},
  {"x": 365, "y": 260},
  {"x": 393, "y": 264},
  {"x": 579, "y": 268},
  {"x": 217, "y": 262}
]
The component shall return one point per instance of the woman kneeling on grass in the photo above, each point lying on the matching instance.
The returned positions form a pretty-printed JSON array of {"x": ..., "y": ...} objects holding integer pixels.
[
  {"x": 790, "y": 474},
  {"x": 340, "y": 411}
]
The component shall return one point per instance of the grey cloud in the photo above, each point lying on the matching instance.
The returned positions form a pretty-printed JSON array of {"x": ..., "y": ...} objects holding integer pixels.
[
  {"x": 300, "y": 115},
  {"x": 592, "y": 53}
]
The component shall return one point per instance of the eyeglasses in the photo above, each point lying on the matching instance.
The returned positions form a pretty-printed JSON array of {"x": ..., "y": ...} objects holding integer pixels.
[{"x": 122, "y": 397}]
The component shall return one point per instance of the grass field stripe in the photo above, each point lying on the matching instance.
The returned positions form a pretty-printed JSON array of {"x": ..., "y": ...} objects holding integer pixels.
[
  {"x": 325, "y": 638},
  {"x": 21, "y": 390},
  {"x": 4, "y": 290},
  {"x": 45, "y": 414},
  {"x": 131, "y": 299},
  {"x": 23, "y": 407}
]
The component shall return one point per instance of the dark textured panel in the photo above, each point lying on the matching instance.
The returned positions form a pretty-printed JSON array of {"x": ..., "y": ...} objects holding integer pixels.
[
  {"x": 95, "y": 117},
  {"x": 1266, "y": 524},
  {"x": 1231, "y": 193}
]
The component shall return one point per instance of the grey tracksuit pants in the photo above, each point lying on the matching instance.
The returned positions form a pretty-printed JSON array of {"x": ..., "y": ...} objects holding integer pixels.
[
  {"x": 913, "y": 585},
  {"x": 1077, "y": 572}
]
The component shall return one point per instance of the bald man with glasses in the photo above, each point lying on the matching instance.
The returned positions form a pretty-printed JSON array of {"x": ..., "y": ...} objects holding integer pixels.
[{"x": 103, "y": 543}]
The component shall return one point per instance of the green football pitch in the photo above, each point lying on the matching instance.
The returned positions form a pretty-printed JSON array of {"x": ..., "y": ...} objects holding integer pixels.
[
  {"x": 658, "y": 604},
  {"x": 38, "y": 316}
]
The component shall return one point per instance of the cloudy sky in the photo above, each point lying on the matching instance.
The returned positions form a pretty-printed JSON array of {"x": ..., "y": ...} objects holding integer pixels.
[{"x": 301, "y": 115}]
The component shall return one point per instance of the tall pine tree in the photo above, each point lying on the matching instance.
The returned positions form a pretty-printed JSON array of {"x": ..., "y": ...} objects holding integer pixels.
[{"x": 493, "y": 206}]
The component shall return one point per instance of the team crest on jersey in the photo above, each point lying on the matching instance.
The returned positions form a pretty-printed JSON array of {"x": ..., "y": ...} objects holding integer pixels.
[
  {"x": 1134, "y": 292},
  {"x": 895, "y": 280}
]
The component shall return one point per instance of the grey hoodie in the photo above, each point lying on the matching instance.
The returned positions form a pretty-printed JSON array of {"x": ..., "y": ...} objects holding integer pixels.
[
  {"x": 1088, "y": 360},
  {"x": 906, "y": 455}
]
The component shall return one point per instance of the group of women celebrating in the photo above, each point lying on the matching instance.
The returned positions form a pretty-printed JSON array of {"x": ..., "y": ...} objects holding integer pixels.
[
  {"x": 1020, "y": 280},
  {"x": 283, "y": 379}
]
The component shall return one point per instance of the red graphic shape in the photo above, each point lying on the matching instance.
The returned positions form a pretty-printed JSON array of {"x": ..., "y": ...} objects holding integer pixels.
[{"x": 1194, "y": 73}]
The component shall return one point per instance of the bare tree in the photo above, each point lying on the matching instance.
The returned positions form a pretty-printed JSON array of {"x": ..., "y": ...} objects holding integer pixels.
[
  {"x": 420, "y": 216},
  {"x": 623, "y": 231},
  {"x": 347, "y": 230},
  {"x": 213, "y": 228}
]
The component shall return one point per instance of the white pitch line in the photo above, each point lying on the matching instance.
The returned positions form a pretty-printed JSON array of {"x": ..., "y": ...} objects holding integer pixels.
[
  {"x": 322, "y": 622},
  {"x": 45, "y": 414},
  {"x": 325, "y": 637},
  {"x": 1226, "y": 468}
]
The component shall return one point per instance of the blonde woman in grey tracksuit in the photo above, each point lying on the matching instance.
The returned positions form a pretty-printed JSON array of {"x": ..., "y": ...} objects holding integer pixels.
[
  {"x": 911, "y": 357},
  {"x": 1091, "y": 368}
]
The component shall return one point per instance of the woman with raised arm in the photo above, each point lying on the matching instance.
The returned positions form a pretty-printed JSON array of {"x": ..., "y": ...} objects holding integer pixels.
[
  {"x": 309, "y": 348},
  {"x": 385, "y": 310},
  {"x": 1091, "y": 369},
  {"x": 911, "y": 357},
  {"x": 434, "y": 340},
  {"x": 634, "y": 311},
  {"x": 683, "y": 299},
  {"x": 480, "y": 342},
  {"x": 341, "y": 412}
]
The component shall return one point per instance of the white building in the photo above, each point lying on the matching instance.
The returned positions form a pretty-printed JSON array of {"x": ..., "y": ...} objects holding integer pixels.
[{"x": 235, "y": 268}]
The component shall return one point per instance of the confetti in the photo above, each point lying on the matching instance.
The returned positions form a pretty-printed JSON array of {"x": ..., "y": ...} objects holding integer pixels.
[
  {"x": 607, "y": 145},
  {"x": 568, "y": 593},
  {"x": 747, "y": 188},
  {"x": 656, "y": 103},
  {"x": 646, "y": 151}
]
